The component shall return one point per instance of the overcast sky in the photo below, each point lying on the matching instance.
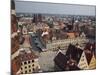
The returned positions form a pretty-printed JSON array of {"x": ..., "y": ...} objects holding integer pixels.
[{"x": 53, "y": 8}]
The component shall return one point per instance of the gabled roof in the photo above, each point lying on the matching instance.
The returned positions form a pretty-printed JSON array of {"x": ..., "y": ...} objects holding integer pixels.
[
  {"x": 83, "y": 62},
  {"x": 88, "y": 57},
  {"x": 90, "y": 46},
  {"x": 92, "y": 64},
  {"x": 74, "y": 52},
  {"x": 89, "y": 49},
  {"x": 61, "y": 60}
]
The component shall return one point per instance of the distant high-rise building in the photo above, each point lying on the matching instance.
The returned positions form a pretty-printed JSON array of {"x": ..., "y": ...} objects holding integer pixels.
[{"x": 37, "y": 18}]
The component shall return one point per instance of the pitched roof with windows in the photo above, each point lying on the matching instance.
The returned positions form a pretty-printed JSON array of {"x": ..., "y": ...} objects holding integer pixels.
[
  {"x": 74, "y": 53},
  {"x": 89, "y": 57},
  {"x": 89, "y": 50},
  {"x": 90, "y": 46},
  {"x": 61, "y": 60}
]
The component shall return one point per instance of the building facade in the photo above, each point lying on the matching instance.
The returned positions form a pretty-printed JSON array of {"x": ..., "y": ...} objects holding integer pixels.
[
  {"x": 29, "y": 63},
  {"x": 64, "y": 43}
]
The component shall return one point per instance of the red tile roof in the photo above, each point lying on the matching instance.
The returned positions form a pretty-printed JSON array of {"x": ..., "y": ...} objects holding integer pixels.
[
  {"x": 14, "y": 44},
  {"x": 15, "y": 65},
  {"x": 27, "y": 56}
]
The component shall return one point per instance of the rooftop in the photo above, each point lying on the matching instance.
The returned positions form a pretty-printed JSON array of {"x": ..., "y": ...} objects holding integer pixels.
[
  {"x": 74, "y": 52},
  {"x": 61, "y": 60},
  {"x": 27, "y": 56}
]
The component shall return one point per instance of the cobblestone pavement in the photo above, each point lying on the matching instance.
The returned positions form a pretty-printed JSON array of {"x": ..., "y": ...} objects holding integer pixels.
[{"x": 46, "y": 60}]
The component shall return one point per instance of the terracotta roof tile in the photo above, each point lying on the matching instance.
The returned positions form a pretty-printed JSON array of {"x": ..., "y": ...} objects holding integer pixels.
[{"x": 27, "y": 56}]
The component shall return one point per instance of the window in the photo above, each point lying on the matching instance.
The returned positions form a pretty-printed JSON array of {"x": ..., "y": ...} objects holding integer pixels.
[
  {"x": 33, "y": 65},
  {"x": 25, "y": 67},
  {"x": 29, "y": 66},
  {"x": 36, "y": 43},
  {"x": 29, "y": 62},
  {"x": 33, "y": 69},
  {"x": 25, "y": 71},
  {"x": 21, "y": 68},
  {"x": 21, "y": 63},
  {"x": 32, "y": 60},
  {"x": 30, "y": 70},
  {"x": 25, "y": 62}
]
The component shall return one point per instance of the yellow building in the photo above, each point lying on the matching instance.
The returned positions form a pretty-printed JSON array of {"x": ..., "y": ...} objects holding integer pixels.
[
  {"x": 83, "y": 64},
  {"x": 29, "y": 63},
  {"x": 92, "y": 64}
]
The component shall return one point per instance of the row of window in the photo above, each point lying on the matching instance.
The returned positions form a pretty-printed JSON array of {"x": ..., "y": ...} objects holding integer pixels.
[
  {"x": 27, "y": 67},
  {"x": 27, "y": 71},
  {"x": 27, "y": 62},
  {"x": 55, "y": 47},
  {"x": 69, "y": 40}
]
